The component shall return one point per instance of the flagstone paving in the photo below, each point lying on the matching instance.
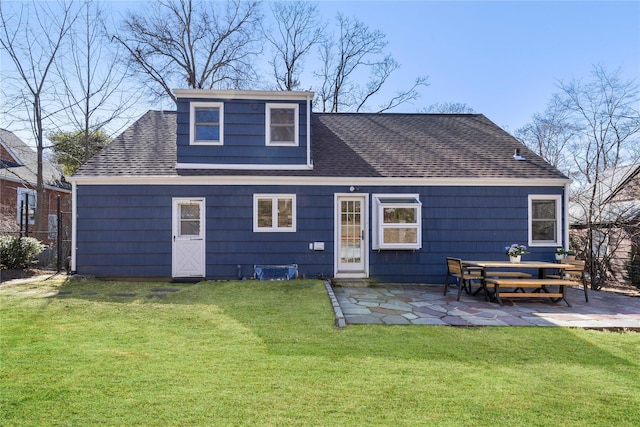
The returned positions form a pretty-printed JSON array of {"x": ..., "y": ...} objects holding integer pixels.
[{"x": 426, "y": 305}]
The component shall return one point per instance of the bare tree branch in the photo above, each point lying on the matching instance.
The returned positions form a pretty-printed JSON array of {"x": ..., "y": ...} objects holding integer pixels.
[
  {"x": 449, "y": 108},
  {"x": 93, "y": 83},
  {"x": 298, "y": 31},
  {"x": 358, "y": 50},
  {"x": 194, "y": 44},
  {"x": 33, "y": 38},
  {"x": 593, "y": 123}
]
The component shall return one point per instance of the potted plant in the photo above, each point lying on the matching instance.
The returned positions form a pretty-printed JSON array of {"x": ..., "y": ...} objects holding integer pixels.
[
  {"x": 560, "y": 254},
  {"x": 571, "y": 255},
  {"x": 515, "y": 251}
]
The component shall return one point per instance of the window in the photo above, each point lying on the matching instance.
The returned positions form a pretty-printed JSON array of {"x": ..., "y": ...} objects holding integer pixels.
[
  {"x": 544, "y": 221},
  {"x": 274, "y": 213},
  {"x": 206, "y": 123},
  {"x": 26, "y": 201},
  {"x": 397, "y": 221},
  {"x": 282, "y": 124}
]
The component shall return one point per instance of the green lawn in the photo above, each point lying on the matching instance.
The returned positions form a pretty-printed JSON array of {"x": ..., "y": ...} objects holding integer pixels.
[{"x": 267, "y": 353}]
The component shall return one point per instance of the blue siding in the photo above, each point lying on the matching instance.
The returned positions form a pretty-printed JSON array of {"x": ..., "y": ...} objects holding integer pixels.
[
  {"x": 126, "y": 230},
  {"x": 244, "y": 136}
]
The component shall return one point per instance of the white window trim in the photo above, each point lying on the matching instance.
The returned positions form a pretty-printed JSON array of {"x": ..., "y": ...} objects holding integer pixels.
[
  {"x": 192, "y": 122},
  {"x": 379, "y": 227},
  {"x": 31, "y": 193},
  {"x": 558, "y": 238},
  {"x": 296, "y": 118},
  {"x": 274, "y": 213}
]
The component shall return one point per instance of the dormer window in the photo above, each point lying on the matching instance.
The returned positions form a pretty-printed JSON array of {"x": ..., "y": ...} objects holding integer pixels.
[
  {"x": 282, "y": 124},
  {"x": 207, "y": 127}
]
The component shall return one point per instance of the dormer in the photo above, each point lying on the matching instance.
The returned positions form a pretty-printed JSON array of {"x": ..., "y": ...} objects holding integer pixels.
[{"x": 244, "y": 130}]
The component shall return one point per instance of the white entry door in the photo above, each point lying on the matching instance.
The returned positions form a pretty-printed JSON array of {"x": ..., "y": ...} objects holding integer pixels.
[
  {"x": 351, "y": 236},
  {"x": 188, "y": 254}
]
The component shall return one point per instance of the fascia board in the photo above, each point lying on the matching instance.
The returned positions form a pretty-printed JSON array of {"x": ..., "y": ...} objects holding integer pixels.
[
  {"x": 33, "y": 184},
  {"x": 242, "y": 94},
  {"x": 315, "y": 181},
  {"x": 12, "y": 154}
]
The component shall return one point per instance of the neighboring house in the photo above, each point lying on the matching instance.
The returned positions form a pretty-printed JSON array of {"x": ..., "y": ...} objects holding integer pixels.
[
  {"x": 235, "y": 179},
  {"x": 18, "y": 180},
  {"x": 615, "y": 218}
]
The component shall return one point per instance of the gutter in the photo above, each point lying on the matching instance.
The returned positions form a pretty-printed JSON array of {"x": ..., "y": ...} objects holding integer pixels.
[
  {"x": 74, "y": 224},
  {"x": 566, "y": 216},
  {"x": 309, "y": 163}
]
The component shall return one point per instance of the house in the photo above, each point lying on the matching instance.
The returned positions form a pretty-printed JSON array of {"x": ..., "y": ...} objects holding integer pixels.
[
  {"x": 232, "y": 180},
  {"x": 615, "y": 220},
  {"x": 18, "y": 180}
]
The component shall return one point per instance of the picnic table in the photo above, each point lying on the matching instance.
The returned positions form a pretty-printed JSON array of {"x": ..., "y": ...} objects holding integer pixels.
[{"x": 539, "y": 286}]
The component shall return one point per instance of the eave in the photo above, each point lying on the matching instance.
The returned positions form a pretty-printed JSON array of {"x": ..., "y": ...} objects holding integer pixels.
[{"x": 316, "y": 181}]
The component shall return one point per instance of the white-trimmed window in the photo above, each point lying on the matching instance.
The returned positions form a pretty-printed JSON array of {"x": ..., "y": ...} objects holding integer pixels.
[
  {"x": 274, "y": 212},
  {"x": 282, "y": 124},
  {"x": 27, "y": 201},
  {"x": 545, "y": 219},
  {"x": 206, "y": 123},
  {"x": 397, "y": 221}
]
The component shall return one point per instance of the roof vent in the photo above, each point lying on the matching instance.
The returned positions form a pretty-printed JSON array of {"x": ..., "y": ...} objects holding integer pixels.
[{"x": 517, "y": 155}]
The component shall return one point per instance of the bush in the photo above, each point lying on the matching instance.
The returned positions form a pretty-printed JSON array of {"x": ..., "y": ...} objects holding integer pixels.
[
  {"x": 633, "y": 266},
  {"x": 19, "y": 252}
]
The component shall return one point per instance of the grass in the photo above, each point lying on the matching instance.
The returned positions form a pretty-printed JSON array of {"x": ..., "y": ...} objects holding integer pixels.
[{"x": 267, "y": 353}]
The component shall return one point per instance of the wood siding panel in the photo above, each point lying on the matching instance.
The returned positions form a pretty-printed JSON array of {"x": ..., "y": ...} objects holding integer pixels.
[
  {"x": 135, "y": 239},
  {"x": 244, "y": 136}
]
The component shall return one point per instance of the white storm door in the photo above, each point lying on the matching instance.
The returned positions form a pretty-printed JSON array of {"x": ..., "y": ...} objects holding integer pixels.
[
  {"x": 351, "y": 240},
  {"x": 188, "y": 252}
]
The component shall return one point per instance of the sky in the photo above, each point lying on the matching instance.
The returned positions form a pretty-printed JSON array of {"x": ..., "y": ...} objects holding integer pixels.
[{"x": 504, "y": 59}]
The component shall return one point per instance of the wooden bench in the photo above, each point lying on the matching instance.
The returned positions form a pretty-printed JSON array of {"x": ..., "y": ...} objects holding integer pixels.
[
  {"x": 518, "y": 274},
  {"x": 539, "y": 286},
  {"x": 500, "y": 274}
]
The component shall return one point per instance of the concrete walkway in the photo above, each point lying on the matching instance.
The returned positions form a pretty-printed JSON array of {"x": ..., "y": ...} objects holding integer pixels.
[{"x": 426, "y": 305}]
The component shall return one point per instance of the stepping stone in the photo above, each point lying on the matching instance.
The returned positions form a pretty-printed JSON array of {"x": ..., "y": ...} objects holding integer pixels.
[{"x": 165, "y": 290}]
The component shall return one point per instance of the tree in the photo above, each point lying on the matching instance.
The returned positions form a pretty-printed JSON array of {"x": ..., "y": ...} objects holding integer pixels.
[
  {"x": 92, "y": 84},
  {"x": 33, "y": 37},
  {"x": 449, "y": 108},
  {"x": 298, "y": 30},
  {"x": 550, "y": 133},
  {"x": 201, "y": 45},
  {"x": 592, "y": 129},
  {"x": 70, "y": 148},
  {"x": 358, "y": 50},
  {"x": 604, "y": 109}
]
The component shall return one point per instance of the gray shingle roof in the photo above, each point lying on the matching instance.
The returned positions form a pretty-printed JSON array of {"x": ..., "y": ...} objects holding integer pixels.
[
  {"x": 348, "y": 145},
  {"x": 27, "y": 168},
  {"x": 146, "y": 148}
]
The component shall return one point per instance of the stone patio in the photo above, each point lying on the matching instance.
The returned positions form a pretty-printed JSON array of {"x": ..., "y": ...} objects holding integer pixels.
[{"x": 394, "y": 304}]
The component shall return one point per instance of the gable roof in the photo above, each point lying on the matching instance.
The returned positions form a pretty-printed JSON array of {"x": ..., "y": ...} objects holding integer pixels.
[
  {"x": 21, "y": 164},
  {"x": 617, "y": 197},
  {"x": 347, "y": 145},
  {"x": 620, "y": 180}
]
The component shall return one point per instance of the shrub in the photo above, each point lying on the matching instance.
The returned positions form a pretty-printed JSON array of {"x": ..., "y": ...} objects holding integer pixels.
[
  {"x": 633, "y": 266},
  {"x": 19, "y": 252}
]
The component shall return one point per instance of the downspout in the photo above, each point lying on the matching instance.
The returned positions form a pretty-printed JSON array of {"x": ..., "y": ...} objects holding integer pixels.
[
  {"x": 309, "y": 164},
  {"x": 74, "y": 224},
  {"x": 566, "y": 217}
]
